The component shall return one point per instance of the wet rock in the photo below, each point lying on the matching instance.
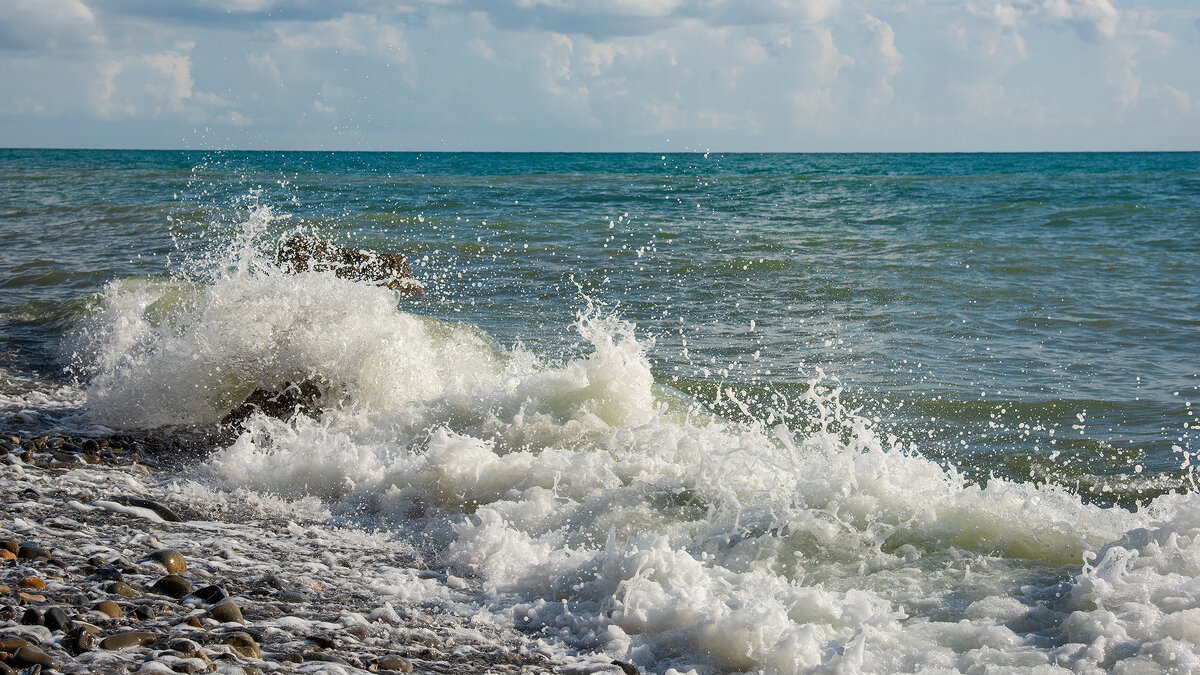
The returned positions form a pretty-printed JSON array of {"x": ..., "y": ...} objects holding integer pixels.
[
  {"x": 211, "y": 594},
  {"x": 144, "y": 612},
  {"x": 5, "y": 670},
  {"x": 32, "y": 617},
  {"x": 122, "y": 589},
  {"x": 31, "y": 552},
  {"x": 12, "y": 644},
  {"x": 227, "y": 612},
  {"x": 162, "y": 511},
  {"x": 90, "y": 446},
  {"x": 627, "y": 668},
  {"x": 303, "y": 253},
  {"x": 133, "y": 638},
  {"x": 108, "y": 574},
  {"x": 80, "y": 640},
  {"x": 57, "y": 620},
  {"x": 170, "y": 559},
  {"x": 172, "y": 585},
  {"x": 282, "y": 404},
  {"x": 109, "y": 608},
  {"x": 30, "y": 656},
  {"x": 27, "y": 598},
  {"x": 322, "y": 641},
  {"x": 243, "y": 644},
  {"x": 396, "y": 663},
  {"x": 6, "y": 554},
  {"x": 33, "y": 582}
]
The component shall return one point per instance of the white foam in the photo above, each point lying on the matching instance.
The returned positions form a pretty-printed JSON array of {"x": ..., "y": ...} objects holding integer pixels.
[{"x": 609, "y": 513}]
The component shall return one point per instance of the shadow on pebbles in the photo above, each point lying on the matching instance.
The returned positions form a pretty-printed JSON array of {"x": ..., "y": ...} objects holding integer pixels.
[{"x": 107, "y": 567}]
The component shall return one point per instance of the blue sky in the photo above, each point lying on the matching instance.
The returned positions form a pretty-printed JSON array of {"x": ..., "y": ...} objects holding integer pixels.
[{"x": 607, "y": 75}]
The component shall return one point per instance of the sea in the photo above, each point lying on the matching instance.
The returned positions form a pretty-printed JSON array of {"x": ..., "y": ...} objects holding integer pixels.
[{"x": 699, "y": 412}]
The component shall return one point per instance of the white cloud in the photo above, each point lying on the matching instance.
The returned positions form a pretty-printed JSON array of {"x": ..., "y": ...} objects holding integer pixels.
[
  {"x": 53, "y": 25},
  {"x": 1091, "y": 19}
]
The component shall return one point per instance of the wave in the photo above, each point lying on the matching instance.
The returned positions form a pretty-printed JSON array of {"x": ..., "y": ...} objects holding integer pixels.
[{"x": 620, "y": 517}]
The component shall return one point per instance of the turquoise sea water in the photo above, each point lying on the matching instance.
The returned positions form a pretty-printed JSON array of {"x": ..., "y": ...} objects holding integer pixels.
[
  {"x": 973, "y": 302},
  {"x": 702, "y": 413}
]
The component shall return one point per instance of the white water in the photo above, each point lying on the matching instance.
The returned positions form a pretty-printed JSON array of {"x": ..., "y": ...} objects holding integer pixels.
[{"x": 615, "y": 517}]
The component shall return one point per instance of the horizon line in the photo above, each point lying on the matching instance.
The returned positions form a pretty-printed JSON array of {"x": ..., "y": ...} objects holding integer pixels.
[{"x": 612, "y": 152}]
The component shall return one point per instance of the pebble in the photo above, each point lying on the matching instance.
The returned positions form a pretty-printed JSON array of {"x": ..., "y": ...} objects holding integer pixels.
[
  {"x": 172, "y": 585},
  {"x": 31, "y": 552},
  {"x": 13, "y": 644},
  {"x": 31, "y": 597},
  {"x": 57, "y": 619},
  {"x": 109, "y": 608},
  {"x": 32, "y": 617},
  {"x": 211, "y": 594},
  {"x": 108, "y": 574},
  {"x": 33, "y": 582},
  {"x": 133, "y": 638},
  {"x": 144, "y": 612},
  {"x": 122, "y": 589},
  {"x": 81, "y": 640},
  {"x": 396, "y": 663},
  {"x": 29, "y": 656},
  {"x": 162, "y": 511},
  {"x": 243, "y": 644},
  {"x": 170, "y": 559},
  {"x": 6, "y": 554},
  {"x": 227, "y": 612}
]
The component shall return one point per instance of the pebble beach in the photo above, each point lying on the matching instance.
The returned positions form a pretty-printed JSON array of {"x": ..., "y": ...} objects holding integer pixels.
[{"x": 109, "y": 568}]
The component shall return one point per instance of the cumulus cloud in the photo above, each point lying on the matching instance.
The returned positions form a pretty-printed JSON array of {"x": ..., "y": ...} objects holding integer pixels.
[{"x": 47, "y": 25}]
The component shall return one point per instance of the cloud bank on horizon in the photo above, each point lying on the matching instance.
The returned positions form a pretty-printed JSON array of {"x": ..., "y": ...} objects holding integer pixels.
[{"x": 785, "y": 75}]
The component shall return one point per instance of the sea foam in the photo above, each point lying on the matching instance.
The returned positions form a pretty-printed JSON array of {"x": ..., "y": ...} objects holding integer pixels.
[{"x": 616, "y": 517}]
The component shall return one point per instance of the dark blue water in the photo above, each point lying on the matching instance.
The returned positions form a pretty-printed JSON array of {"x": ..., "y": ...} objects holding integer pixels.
[{"x": 1027, "y": 315}]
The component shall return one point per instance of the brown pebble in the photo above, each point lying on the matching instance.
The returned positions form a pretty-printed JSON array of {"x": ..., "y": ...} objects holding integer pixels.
[
  {"x": 243, "y": 644},
  {"x": 10, "y": 545},
  {"x": 194, "y": 622},
  {"x": 227, "y": 612},
  {"x": 122, "y": 589},
  {"x": 6, "y": 554},
  {"x": 396, "y": 663},
  {"x": 5, "y": 590},
  {"x": 133, "y": 638},
  {"x": 30, "y": 656},
  {"x": 31, "y": 597},
  {"x": 81, "y": 640},
  {"x": 172, "y": 585},
  {"x": 109, "y": 608},
  {"x": 170, "y": 559},
  {"x": 32, "y": 617},
  {"x": 33, "y": 582},
  {"x": 90, "y": 459},
  {"x": 13, "y": 644}
]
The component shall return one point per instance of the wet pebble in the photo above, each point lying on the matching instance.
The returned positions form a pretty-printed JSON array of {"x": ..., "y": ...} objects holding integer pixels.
[
  {"x": 211, "y": 594},
  {"x": 133, "y": 638},
  {"x": 227, "y": 612},
  {"x": 80, "y": 640},
  {"x": 56, "y": 619},
  {"x": 170, "y": 559},
  {"x": 144, "y": 612},
  {"x": 29, "y": 656},
  {"x": 243, "y": 644},
  {"x": 108, "y": 574},
  {"x": 33, "y": 582},
  {"x": 32, "y": 617},
  {"x": 396, "y": 663},
  {"x": 109, "y": 608},
  {"x": 172, "y": 585},
  {"x": 122, "y": 589}
]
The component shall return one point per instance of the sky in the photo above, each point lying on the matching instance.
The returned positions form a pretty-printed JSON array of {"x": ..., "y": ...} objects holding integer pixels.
[{"x": 602, "y": 75}]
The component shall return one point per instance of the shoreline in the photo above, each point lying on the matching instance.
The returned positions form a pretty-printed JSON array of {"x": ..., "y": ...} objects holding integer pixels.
[{"x": 260, "y": 593}]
